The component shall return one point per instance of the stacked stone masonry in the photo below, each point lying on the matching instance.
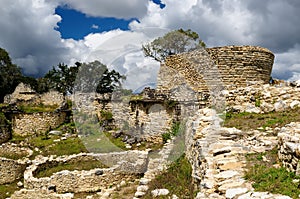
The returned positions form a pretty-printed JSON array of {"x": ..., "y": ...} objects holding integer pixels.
[
  {"x": 25, "y": 124},
  {"x": 126, "y": 166},
  {"x": 289, "y": 147},
  {"x": 229, "y": 66}
]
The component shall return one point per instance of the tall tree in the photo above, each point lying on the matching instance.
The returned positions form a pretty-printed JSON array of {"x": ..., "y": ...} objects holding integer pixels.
[
  {"x": 95, "y": 76},
  {"x": 61, "y": 78},
  {"x": 10, "y": 75},
  {"x": 174, "y": 42}
]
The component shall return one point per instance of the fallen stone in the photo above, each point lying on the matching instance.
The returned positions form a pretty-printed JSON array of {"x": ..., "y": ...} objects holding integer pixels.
[
  {"x": 20, "y": 184},
  {"x": 144, "y": 181},
  {"x": 139, "y": 194},
  {"x": 142, "y": 188},
  {"x": 160, "y": 192},
  {"x": 231, "y": 193},
  {"x": 295, "y": 104},
  {"x": 226, "y": 174},
  {"x": 55, "y": 132}
]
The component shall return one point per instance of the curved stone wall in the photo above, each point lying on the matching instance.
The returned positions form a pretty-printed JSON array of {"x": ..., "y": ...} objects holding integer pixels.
[{"x": 233, "y": 66}]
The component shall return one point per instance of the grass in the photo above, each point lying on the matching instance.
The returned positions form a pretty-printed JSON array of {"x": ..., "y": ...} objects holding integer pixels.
[
  {"x": 248, "y": 121},
  {"x": 71, "y": 166},
  {"x": 37, "y": 108},
  {"x": 12, "y": 155},
  {"x": 64, "y": 147},
  {"x": 7, "y": 190},
  {"x": 177, "y": 179},
  {"x": 267, "y": 178},
  {"x": 116, "y": 141}
]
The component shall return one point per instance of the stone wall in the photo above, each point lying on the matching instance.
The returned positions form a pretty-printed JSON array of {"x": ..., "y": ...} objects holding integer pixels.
[
  {"x": 142, "y": 117},
  {"x": 11, "y": 170},
  {"x": 24, "y": 124},
  {"x": 26, "y": 95},
  {"x": 229, "y": 66},
  {"x": 262, "y": 98},
  {"x": 289, "y": 147},
  {"x": 125, "y": 165}
]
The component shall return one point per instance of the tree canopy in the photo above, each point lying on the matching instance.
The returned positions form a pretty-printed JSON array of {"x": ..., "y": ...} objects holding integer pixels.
[
  {"x": 10, "y": 75},
  {"x": 83, "y": 77},
  {"x": 174, "y": 42},
  {"x": 95, "y": 76}
]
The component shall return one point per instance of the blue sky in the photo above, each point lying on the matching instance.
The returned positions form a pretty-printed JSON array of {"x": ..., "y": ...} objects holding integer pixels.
[
  {"x": 77, "y": 25},
  {"x": 39, "y": 34}
]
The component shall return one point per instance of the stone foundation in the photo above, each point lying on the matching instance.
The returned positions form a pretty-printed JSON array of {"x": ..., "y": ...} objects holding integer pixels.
[
  {"x": 11, "y": 170},
  {"x": 126, "y": 167},
  {"x": 24, "y": 124}
]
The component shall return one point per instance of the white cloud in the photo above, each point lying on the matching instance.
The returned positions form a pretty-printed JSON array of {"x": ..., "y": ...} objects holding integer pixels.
[
  {"x": 28, "y": 31},
  {"x": 121, "y": 50},
  {"x": 28, "y": 34},
  {"x": 270, "y": 24},
  {"x": 102, "y": 8},
  {"x": 94, "y": 26}
]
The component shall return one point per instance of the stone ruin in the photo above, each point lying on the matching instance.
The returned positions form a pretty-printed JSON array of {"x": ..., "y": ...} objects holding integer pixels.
[
  {"x": 242, "y": 74},
  {"x": 230, "y": 66}
]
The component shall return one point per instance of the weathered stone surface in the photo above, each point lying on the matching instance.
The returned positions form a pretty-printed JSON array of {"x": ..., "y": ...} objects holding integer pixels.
[
  {"x": 24, "y": 124},
  {"x": 231, "y": 193},
  {"x": 40, "y": 194},
  {"x": 160, "y": 192},
  {"x": 11, "y": 170}
]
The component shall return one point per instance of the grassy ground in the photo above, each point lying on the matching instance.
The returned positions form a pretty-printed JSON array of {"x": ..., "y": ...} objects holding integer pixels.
[
  {"x": 37, "y": 108},
  {"x": 248, "y": 121},
  {"x": 177, "y": 179},
  {"x": 7, "y": 189},
  {"x": 266, "y": 177}
]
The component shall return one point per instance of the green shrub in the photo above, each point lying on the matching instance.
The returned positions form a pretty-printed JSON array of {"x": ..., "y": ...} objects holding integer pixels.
[{"x": 166, "y": 137}]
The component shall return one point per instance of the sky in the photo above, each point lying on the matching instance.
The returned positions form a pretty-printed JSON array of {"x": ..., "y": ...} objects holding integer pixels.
[{"x": 39, "y": 34}]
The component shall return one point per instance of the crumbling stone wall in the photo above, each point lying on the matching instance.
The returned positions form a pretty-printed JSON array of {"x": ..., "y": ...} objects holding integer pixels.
[
  {"x": 11, "y": 170},
  {"x": 145, "y": 117},
  {"x": 126, "y": 167},
  {"x": 262, "y": 98},
  {"x": 289, "y": 147},
  {"x": 231, "y": 66},
  {"x": 26, "y": 95},
  {"x": 24, "y": 124}
]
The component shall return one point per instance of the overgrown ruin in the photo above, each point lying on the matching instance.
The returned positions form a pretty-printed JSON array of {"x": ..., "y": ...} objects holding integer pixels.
[{"x": 235, "y": 77}]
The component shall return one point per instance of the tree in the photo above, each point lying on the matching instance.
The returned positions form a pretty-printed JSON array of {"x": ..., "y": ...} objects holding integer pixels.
[
  {"x": 95, "y": 76},
  {"x": 174, "y": 42},
  {"x": 10, "y": 75},
  {"x": 61, "y": 79},
  {"x": 83, "y": 77}
]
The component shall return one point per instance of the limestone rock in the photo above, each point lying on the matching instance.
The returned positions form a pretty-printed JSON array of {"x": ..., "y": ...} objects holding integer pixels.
[
  {"x": 160, "y": 192},
  {"x": 231, "y": 193}
]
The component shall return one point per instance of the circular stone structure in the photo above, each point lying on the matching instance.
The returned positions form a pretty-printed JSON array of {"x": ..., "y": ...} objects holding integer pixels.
[{"x": 236, "y": 66}]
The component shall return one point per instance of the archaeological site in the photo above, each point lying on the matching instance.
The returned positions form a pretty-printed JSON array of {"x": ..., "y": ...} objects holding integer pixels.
[{"x": 217, "y": 125}]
